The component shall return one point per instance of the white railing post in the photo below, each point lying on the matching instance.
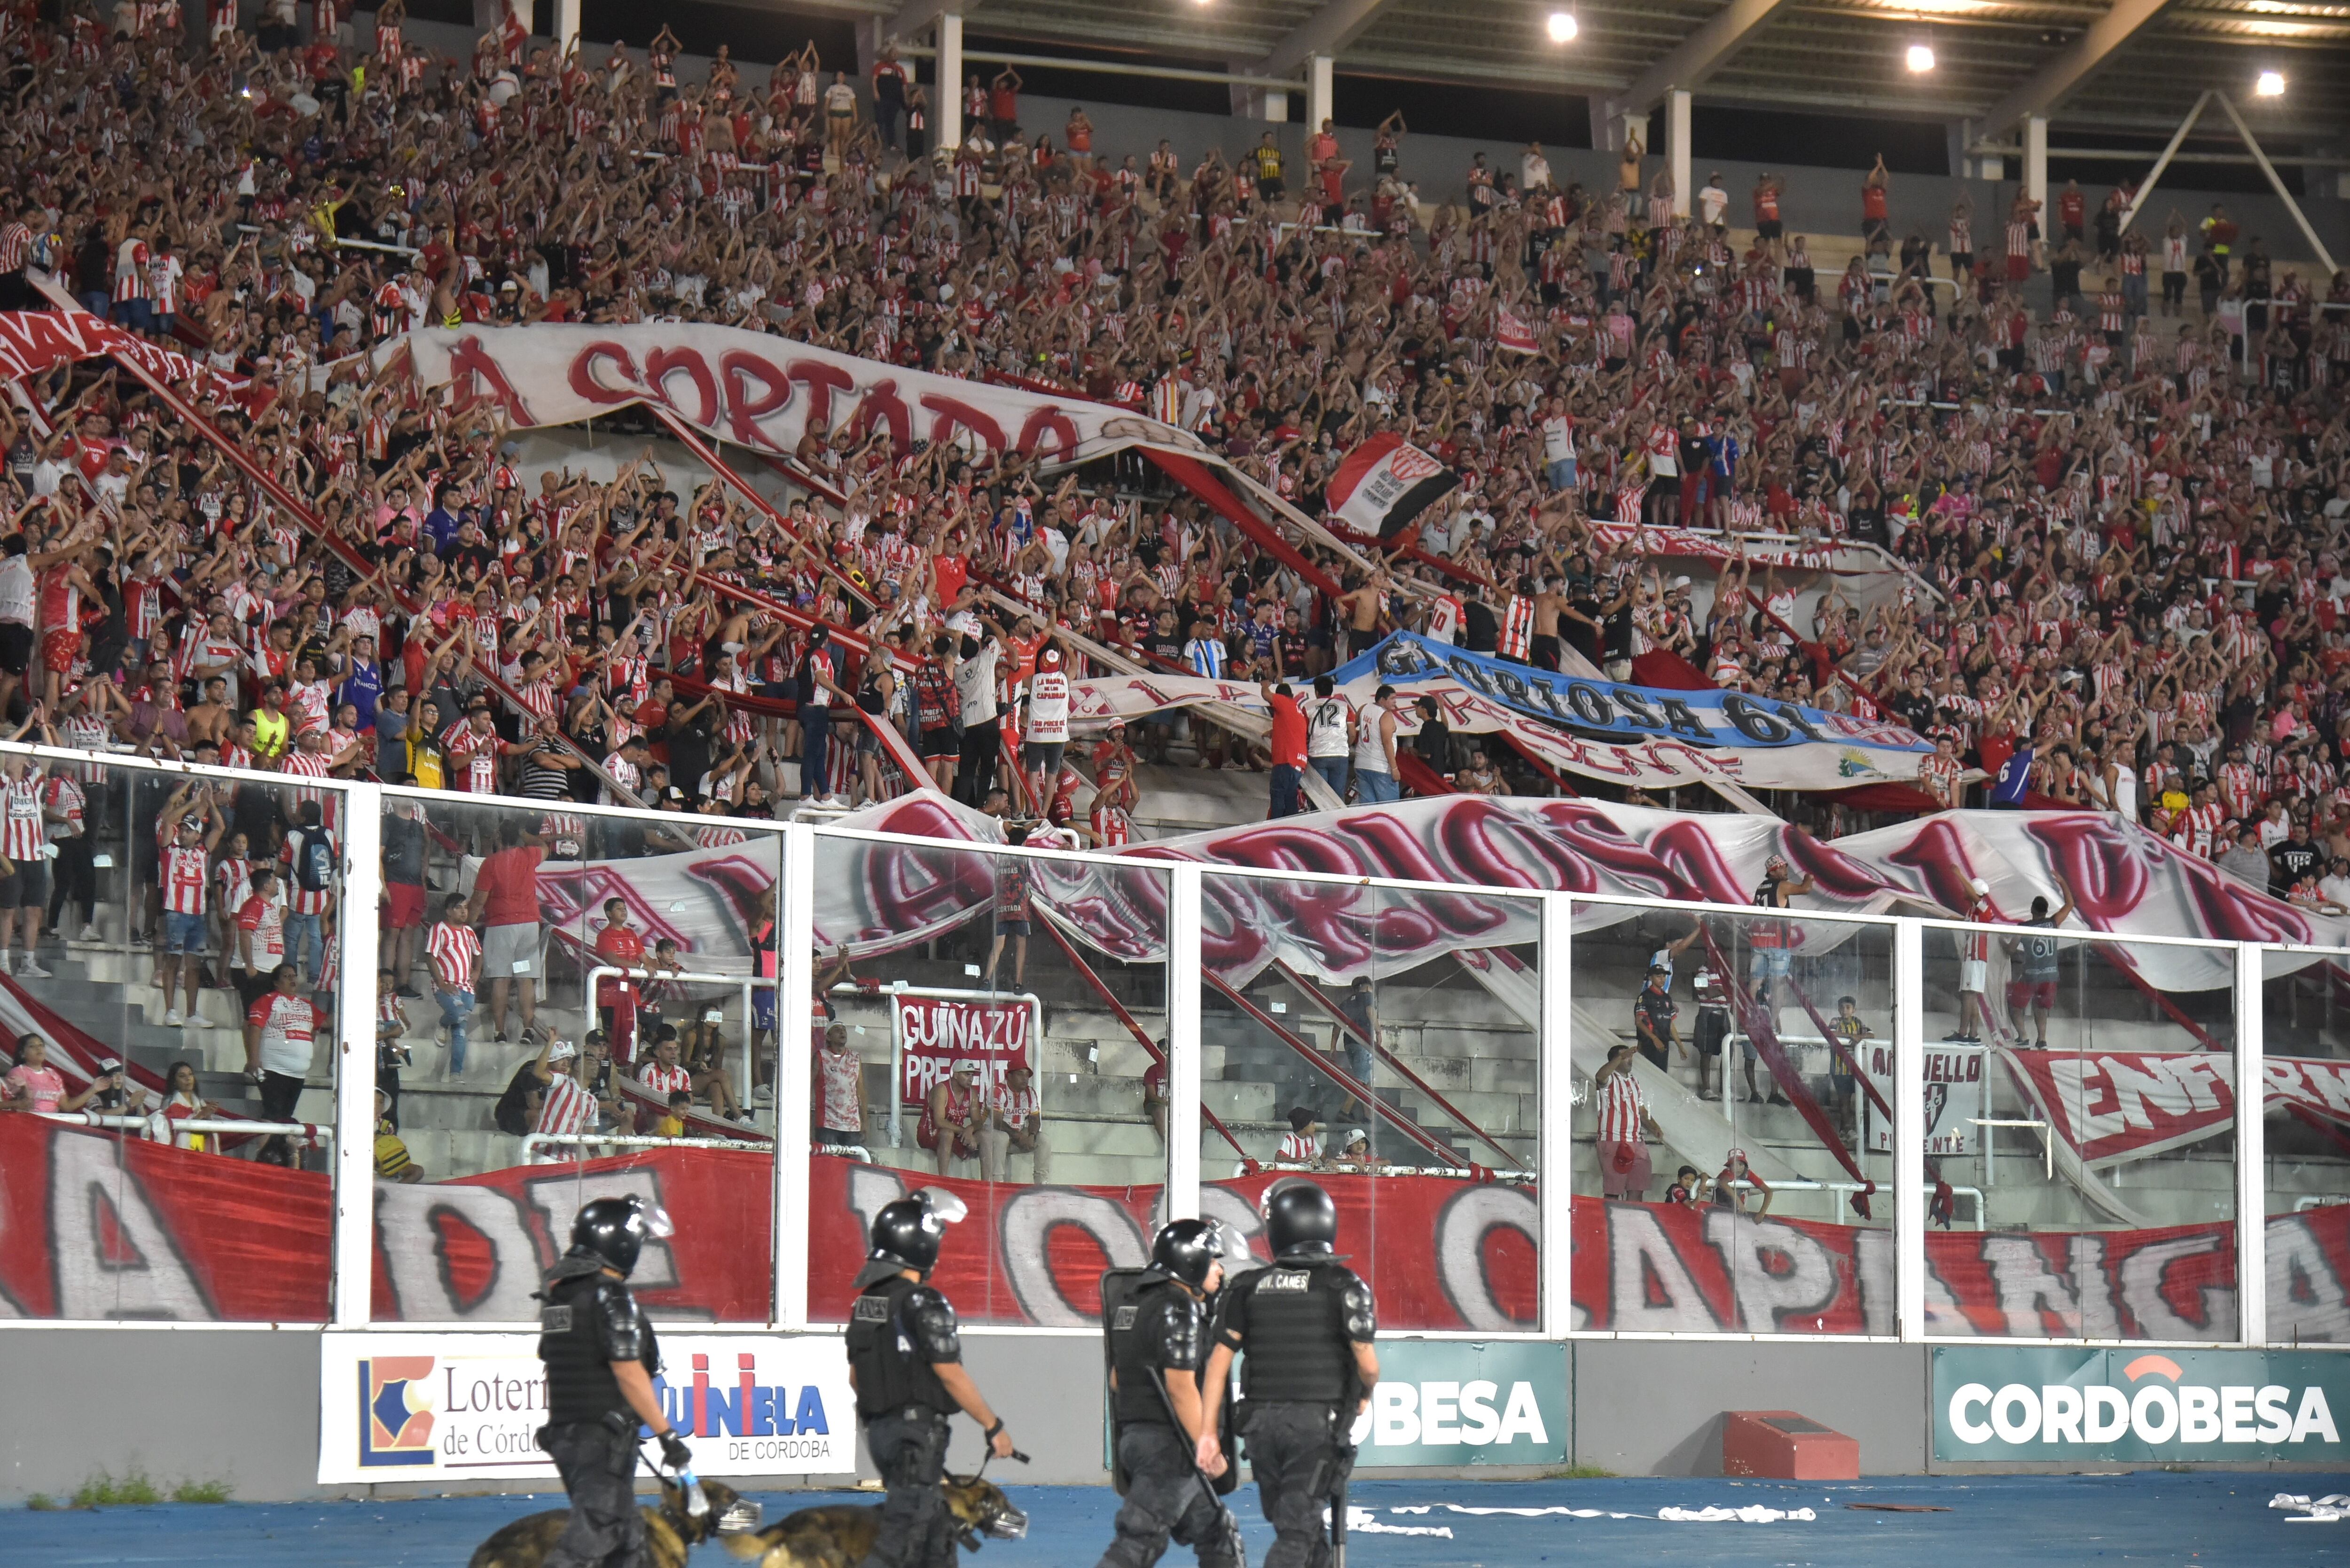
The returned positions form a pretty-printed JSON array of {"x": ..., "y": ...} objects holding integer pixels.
[
  {"x": 795, "y": 1070},
  {"x": 1184, "y": 1049},
  {"x": 1909, "y": 1130},
  {"x": 2251, "y": 1150},
  {"x": 1554, "y": 1098},
  {"x": 361, "y": 832}
]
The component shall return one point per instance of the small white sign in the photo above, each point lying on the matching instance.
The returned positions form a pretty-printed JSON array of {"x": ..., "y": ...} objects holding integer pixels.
[{"x": 419, "y": 1406}]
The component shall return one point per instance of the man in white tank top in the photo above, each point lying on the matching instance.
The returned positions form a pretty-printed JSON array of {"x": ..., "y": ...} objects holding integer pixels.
[{"x": 1375, "y": 750}]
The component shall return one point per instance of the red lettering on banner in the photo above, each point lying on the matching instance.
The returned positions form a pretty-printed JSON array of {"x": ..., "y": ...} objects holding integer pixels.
[
  {"x": 224, "y": 1240},
  {"x": 822, "y": 381},
  {"x": 954, "y": 414},
  {"x": 883, "y": 406},
  {"x": 2107, "y": 876},
  {"x": 1051, "y": 422},
  {"x": 663, "y": 364},
  {"x": 476, "y": 376},
  {"x": 745, "y": 409},
  {"x": 587, "y": 384}
]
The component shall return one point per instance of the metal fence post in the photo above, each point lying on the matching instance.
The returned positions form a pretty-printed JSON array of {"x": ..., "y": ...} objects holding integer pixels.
[
  {"x": 354, "y": 1057},
  {"x": 2251, "y": 1150},
  {"x": 1909, "y": 1134},
  {"x": 1554, "y": 1148},
  {"x": 795, "y": 1071},
  {"x": 1185, "y": 1050}
]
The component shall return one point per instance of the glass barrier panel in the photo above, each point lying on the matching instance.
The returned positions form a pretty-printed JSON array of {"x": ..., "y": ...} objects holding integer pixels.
[
  {"x": 2306, "y": 1134},
  {"x": 2088, "y": 1188},
  {"x": 581, "y": 1011},
  {"x": 1381, "y": 1043},
  {"x": 991, "y": 1024},
  {"x": 167, "y": 948},
  {"x": 1732, "y": 1134}
]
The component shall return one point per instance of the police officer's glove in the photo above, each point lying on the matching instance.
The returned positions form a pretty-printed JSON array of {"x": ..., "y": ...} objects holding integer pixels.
[{"x": 674, "y": 1452}]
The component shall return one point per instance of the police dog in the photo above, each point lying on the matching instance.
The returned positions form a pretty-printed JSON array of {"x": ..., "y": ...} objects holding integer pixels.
[
  {"x": 669, "y": 1531},
  {"x": 841, "y": 1536}
]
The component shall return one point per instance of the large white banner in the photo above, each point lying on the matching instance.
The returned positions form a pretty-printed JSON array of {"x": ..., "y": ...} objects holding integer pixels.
[
  {"x": 758, "y": 389},
  {"x": 421, "y": 1406}
]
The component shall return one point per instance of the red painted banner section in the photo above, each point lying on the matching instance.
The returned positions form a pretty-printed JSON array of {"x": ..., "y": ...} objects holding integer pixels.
[{"x": 98, "y": 1227}]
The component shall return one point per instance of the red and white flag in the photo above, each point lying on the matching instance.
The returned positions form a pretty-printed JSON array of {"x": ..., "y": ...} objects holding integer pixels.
[
  {"x": 1383, "y": 485},
  {"x": 1510, "y": 333}
]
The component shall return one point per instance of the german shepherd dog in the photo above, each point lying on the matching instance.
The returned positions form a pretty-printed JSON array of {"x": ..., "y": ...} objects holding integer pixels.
[
  {"x": 669, "y": 1531},
  {"x": 841, "y": 1536}
]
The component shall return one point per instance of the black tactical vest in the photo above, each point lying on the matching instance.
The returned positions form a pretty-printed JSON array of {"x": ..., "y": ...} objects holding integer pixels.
[
  {"x": 891, "y": 1374},
  {"x": 1141, "y": 1333},
  {"x": 573, "y": 1343},
  {"x": 1296, "y": 1346}
]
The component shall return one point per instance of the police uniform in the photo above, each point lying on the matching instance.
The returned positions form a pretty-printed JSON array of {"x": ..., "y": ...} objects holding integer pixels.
[
  {"x": 900, "y": 1331},
  {"x": 1163, "y": 1331},
  {"x": 1297, "y": 1323},
  {"x": 588, "y": 1320}
]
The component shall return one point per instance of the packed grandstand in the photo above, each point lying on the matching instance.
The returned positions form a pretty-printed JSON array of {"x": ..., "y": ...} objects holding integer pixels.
[{"x": 535, "y": 434}]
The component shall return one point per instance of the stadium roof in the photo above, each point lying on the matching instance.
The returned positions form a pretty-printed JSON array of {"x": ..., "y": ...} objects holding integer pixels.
[{"x": 2132, "y": 65}]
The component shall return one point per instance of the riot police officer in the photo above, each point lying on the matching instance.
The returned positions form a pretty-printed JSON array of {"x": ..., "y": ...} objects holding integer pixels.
[
  {"x": 905, "y": 1361},
  {"x": 600, "y": 1360},
  {"x": 1305, "y": 1325},
  {"x": 1159, "y": 1345}
]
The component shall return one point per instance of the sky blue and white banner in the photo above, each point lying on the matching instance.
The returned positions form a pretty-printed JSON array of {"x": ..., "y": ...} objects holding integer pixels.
[{"x": 1649, "y": 736}]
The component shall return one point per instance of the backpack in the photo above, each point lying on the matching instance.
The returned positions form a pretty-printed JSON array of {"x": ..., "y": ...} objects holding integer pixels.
[{"x": 313, "y": 861}]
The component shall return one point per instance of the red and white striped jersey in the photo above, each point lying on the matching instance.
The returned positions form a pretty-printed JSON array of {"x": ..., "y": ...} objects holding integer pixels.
[
  {"x": 1297, "y": 1148},
  {"x": 1620, "y": 1104},
  {"x": 2198, "y": 831},
  {"x": 568, "y": 1107},
  {"x": 183, "y": 881},
  {"x": 453, "y": 949},
  {"x": 1518, "y": 626},
  {"x": 666, "y": 1081},
  {"x": 20, "y": 818}
]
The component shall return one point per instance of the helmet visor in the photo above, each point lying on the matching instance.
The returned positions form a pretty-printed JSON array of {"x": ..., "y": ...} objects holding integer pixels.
[
  {"x": 945, "y": 1205},
  {"x": 657, "y": 1225}
]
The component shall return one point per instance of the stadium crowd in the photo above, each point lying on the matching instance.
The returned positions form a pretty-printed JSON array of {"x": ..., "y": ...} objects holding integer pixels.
[{"x": 2119, "y": 520}]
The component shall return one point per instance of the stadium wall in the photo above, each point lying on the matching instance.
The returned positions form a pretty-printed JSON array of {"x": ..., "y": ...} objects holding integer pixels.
[{"x": 241, "y": 1407}]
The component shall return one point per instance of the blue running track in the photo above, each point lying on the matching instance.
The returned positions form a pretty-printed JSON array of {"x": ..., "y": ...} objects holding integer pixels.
[{"x": 2190, "y": 1520}]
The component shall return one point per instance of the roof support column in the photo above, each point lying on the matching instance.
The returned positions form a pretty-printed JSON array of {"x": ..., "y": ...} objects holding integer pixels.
[
  {"x": 1318, "y": 92},
  {"x": 1676, "y": 147},
  {"x": 946, "y": 101}
]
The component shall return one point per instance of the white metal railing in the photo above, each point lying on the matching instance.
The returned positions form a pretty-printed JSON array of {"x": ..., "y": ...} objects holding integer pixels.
[
  {"x": 1843, "y": 1187},
  {"x": 531, "y": 1143},
  {"x": 354, "y": 1239},
  {"x": 746, "y": 983},
  {"x": 310, "y": 1133}
]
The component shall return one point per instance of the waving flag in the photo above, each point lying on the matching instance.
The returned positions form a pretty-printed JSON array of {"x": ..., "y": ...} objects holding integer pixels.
[
  {"x": 1511, "y": 334},
  {"x": 1384, "y": 484}
]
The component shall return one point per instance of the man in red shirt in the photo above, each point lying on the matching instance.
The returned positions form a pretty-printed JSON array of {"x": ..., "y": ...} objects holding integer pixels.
[
  {"x": 506, "y": 900},
  {"x": 1288, "y": 746},
  {"x": 619, "y": 946}
]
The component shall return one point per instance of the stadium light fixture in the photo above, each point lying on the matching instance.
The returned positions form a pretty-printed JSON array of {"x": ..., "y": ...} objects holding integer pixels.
[
  {"x": 1922, "y": 58},
  {"x": 2270, "y": 85},
  {"x": 1563, "y": 26}
]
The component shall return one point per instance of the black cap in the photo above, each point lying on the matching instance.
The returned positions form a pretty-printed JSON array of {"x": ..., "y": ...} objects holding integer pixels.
[
  {"x": 1300, "y": 1221},
  {"x": 1187, "y": 1249}
]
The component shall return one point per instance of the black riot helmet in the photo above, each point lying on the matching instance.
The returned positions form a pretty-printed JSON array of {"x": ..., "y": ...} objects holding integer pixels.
[
  {"x": 906, "y": 1232},
  {"x": 616, "y": 1229},
  {"x": 1188, "y": 1250},
  {"x": 1300, "y": 1221}
]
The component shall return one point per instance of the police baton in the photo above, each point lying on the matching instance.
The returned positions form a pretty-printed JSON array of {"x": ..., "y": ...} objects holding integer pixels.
[
  {"x": 1340, "y": 1422},
  {"x": 1206, "y": 1482}
]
